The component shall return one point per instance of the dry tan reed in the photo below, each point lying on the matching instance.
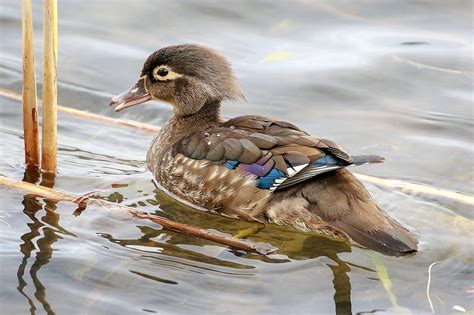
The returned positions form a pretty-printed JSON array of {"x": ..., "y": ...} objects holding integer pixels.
[
  {"x": 49, "y": 130},
  {"x": 30, "y": 112}
]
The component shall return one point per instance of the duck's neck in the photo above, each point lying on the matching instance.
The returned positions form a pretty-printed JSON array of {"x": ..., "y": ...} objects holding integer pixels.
[
  {"x": 207, "y": 116},
  {"x": 179, "y": 126}
]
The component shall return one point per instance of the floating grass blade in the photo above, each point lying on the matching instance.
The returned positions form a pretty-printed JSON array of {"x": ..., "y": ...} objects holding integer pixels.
[
  {"x": 250, "y": 231},
  {"x": 49, "y": 130},
  {"x": 30, "y": 113},
  {"x": 382, "y": 273}
]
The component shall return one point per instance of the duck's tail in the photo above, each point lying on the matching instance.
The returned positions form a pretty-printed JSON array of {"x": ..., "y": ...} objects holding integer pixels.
[
  {"x": 393, "y": 239},
  {"x": 347, "y": 205},
  {"x": 341, "y": 201}
]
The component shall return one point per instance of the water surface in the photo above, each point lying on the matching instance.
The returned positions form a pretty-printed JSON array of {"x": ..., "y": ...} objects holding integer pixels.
[{"x": 378, "y": 77}]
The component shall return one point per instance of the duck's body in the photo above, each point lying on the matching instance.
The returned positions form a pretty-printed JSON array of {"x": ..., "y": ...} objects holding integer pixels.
[{"x": 252, "y": 167}]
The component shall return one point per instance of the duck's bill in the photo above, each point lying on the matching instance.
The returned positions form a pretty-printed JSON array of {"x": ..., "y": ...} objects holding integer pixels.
[{"x": 136, "y": 95}]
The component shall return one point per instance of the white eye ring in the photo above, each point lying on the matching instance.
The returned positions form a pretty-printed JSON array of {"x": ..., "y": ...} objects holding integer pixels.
[{"x": 170, "y": 74}]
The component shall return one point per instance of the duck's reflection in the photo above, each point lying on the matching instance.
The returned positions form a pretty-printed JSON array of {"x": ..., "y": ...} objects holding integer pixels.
[
  {"x": 342, "y": 286},
  {"x": 167, "y": 244},
  {"x": 292, "y": 245},
  {"x": 31, "y": 206},
  {"x": 43, "y": 245}
]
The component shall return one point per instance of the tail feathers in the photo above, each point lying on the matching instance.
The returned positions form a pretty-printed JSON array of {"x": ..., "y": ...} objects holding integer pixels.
[
  {"x": 367, "y": 159},
  {"x": 340, "y": 200},
  {"x": 393, "y": 241}
]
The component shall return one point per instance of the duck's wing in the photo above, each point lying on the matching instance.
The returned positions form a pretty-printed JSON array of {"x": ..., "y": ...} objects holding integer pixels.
[{"x": 277, "y": 153}]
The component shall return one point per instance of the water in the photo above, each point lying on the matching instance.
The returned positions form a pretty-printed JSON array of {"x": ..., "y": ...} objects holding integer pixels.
[{"x": 376, "y": 77}]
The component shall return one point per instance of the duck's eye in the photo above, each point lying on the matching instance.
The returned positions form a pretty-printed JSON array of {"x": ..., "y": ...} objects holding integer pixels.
[
  {"x": 162, "y": 72},
  {"x": 165, "y": 73}
]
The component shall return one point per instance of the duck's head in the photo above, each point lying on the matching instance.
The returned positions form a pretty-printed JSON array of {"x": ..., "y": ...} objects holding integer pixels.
[{"x": 186, "y": 76}]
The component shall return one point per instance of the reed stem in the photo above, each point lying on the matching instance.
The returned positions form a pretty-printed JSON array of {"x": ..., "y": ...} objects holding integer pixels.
[
  {"x": 49, "y": 130},
  {"x": 30, "y": 112}
]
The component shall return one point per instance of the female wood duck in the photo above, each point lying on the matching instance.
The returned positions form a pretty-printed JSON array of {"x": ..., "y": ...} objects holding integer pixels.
[{"x": 253, "y": 167}]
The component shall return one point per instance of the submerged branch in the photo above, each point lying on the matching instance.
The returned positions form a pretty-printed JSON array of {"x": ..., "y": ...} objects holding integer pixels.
[
  {"x": 425, "y": 66},
  {"x": 57, "y": 195},
  {"x": 90, "y": 116},
  {"x": 412, "y": 188}
]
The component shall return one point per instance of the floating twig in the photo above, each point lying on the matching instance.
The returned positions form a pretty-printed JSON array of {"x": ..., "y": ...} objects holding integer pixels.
[
  {"x": 428, "y": 285},
  {"x": 57, "y": 195}
]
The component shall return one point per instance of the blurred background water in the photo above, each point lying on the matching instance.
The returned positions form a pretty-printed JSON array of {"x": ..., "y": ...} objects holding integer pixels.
[{"x": 385, "y": 77}]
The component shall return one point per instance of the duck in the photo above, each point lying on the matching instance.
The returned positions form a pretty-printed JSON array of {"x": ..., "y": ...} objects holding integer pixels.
[{"x": 252, "y": 167}]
